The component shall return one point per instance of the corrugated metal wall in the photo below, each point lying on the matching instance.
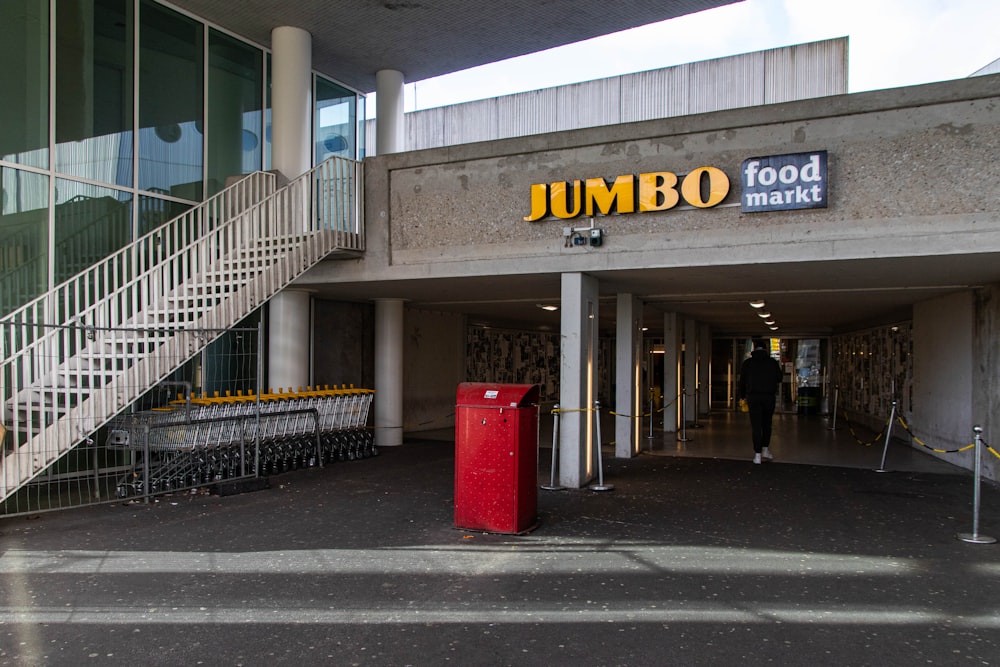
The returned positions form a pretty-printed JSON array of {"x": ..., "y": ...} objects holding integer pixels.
[{"x": 789, "y": 73}]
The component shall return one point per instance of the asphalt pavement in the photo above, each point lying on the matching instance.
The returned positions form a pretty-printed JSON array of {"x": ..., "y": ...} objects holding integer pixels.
[{"x": 687, "y": 561}]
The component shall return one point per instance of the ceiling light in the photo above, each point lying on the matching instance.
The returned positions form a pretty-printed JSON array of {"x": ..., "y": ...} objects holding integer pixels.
[
  {"x": 763, "y": 314},
  {"x": 758, "y": 303},
  {"x": 773, "y": 328},
  {"x": 769, "y": 322},
  {"x": 545, "y": 306}
]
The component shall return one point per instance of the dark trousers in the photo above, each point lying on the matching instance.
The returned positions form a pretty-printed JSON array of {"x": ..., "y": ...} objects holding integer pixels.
[{"x": 761, "y": 412}]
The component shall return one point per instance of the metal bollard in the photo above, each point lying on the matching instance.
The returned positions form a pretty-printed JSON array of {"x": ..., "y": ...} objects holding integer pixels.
[
  {"x": 552, "y": 486},
  {"x": 836, "y": 398},
  {"x": 888, "y": 434},
  {"x": 683, "y": 436},
  {"x": 600, "y": 486},
  {"x": 974, "y": 536},
  {"x": 651, "y": 413}
]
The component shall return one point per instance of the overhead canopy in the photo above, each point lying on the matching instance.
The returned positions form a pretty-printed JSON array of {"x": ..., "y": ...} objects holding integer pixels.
[{"x": 353, "y": 39}]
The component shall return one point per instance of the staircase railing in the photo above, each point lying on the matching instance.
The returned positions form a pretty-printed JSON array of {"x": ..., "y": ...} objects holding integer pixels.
[{"x": 68, "y": 367}]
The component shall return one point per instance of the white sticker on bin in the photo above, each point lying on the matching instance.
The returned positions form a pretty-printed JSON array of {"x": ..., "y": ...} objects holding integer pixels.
[{"x": 491, "y": 393}]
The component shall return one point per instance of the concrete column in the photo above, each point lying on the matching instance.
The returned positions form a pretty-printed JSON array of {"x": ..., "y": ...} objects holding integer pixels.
[
  {"x": 690, "y": 370},
  {"x": 388, "y": 402},
  {"x": 671, "y": 365},
  {"x": 292, "y": 101},
  {"x": 628, "y": 354},
  {"x": 288, "y": 349},
  {"x": 291, "y": 154},
  {"x": 704, "y": 369},
  {"x": 577, "y": 379},
  {"x": 390, "y": 129}
]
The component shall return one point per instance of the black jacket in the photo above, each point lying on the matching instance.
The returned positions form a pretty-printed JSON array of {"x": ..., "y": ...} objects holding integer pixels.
[{"x": 760, "y": 376}]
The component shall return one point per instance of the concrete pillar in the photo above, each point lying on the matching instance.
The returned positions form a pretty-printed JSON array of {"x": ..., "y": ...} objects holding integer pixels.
[
  {"x": 292, "y": 101},
  {"x": 390, "y": 129},
  {"x": 628, "y": 355},
  {"x": 704, "y": 370},
  {"x": 690, "y": 371},
  {"x": 388, "y": 403},
  {"x": 288, "y": 359},
  {"x": 671, "y": 364},
  {"x": 288, "y": 348},
  {"x": 577, "y": 379}
]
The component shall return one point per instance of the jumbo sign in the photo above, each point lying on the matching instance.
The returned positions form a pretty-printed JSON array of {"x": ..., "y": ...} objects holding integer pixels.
[{"x": 703, "y": 187}]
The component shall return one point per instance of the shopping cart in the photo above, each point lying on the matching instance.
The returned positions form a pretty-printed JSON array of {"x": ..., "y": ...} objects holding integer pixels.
[{"x": 199, "y": 441}]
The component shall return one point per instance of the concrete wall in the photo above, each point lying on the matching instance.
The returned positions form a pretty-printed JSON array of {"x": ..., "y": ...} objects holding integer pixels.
[
  {"x": 943, "y": 361},
  {"x": 343, "y": 347},
  {"x": 986, "y": 374},
  {"x": 433, "y": 366},
  {"x": 459, "y": 211},
  {"x": 777, "y": 75}
]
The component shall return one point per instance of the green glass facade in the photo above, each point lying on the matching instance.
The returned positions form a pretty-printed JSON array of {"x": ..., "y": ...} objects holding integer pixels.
[{"x": 120, "y": 115}]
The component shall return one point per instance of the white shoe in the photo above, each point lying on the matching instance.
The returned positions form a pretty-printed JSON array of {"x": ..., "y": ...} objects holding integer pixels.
[
  {"x": 767, "y": 453},
  {"x": 756, "y": 458}
]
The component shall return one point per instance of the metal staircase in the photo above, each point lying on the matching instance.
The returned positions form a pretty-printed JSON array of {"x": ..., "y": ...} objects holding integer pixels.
[{"x": 75, "y": 357}]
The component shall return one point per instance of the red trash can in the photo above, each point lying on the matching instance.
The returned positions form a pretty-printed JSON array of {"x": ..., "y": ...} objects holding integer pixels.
[{"x": 496, "y": 457}]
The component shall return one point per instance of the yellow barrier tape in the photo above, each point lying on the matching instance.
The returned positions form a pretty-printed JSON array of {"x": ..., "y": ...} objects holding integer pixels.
[{"x": 920, "y": 442}]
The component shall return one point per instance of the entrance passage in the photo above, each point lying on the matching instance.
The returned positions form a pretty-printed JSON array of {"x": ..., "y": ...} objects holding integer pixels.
[{"x": 794, "y": 439}]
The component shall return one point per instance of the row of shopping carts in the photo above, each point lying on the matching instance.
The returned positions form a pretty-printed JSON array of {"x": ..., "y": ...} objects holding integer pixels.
[{"x": 198, "y": 441}]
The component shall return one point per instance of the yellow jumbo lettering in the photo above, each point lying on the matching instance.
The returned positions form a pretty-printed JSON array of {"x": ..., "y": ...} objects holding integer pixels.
[
  {"x": 559, "y": 196},
  {"x": 539, "y": 202},
  {"x": 655, "y": 184},
  {"x": 718, "y": 187},
  {"x": 621, "y": 195}
]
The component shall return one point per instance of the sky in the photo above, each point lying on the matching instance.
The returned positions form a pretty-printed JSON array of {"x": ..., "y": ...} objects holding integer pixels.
[{"x": 892, "y": 43}]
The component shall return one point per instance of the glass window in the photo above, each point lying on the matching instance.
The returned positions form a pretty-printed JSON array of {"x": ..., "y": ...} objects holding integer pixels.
[
  {"x": 91, "y": 223},
  {"x": 154, "y": 211},
  {"x": 24, "y": 82},
  {"x": 170, "y": 102},
  {"x": 24, "y": 234},
  {"x": 335, "y": 121},
  {"x": 94, "y": 89},
  {"x": 235, "y": 79}
]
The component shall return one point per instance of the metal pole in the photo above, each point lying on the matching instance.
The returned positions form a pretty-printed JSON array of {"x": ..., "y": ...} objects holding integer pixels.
[
  {"x": 260, "y": 389},
  {"x": 651, "y": 413},
  {"x": 836, "y": 398},
  {"x": 974, "y": 537},
  {"x": 552, "y": 486},
  {"x": 683, "y": 436},
  {"x": 888, "y": 434},
  {"x": 600, "y": 486}
]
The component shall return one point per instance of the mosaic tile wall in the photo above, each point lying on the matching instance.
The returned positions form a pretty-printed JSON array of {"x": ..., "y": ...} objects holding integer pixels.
[
  {"x": 874, "y": 367},
  {"x": 526, "y": 357}
]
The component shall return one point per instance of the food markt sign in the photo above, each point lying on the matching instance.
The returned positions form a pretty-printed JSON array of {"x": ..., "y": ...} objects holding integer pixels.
[{"x": 784, "y": 182}]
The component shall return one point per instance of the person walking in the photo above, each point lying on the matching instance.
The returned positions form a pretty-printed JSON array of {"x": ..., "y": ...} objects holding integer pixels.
[{"x": 760, "y": 378}]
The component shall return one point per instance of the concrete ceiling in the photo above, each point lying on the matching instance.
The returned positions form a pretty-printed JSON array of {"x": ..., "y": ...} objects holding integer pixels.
[
  {"x": 353, "y": 39},
  {"x": 815, "y": 298}
]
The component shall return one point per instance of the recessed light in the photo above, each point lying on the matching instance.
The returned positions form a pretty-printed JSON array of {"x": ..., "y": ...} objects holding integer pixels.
[
  {"x": 545, "y": 306},
  {"x": 757, "y": 303},
  {"x": 763, "y": 314}
]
